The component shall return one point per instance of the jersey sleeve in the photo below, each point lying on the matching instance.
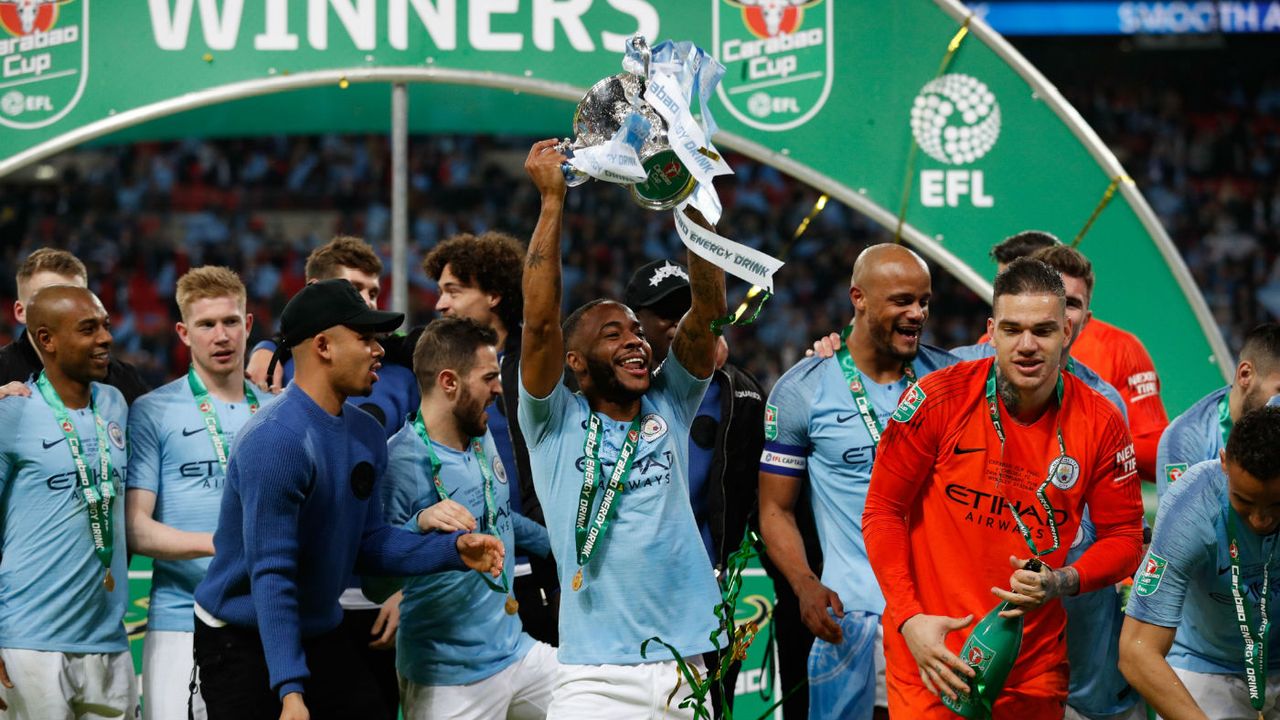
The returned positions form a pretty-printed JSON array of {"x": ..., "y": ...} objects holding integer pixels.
[
  {"x": 10, "y": 417},
  {"x": 402, "y": 496},
  {"x": 1114, "y": 498},
  {"x": 1141, "y": 393},
  {"x": 904, "y": 462},
  {"x": 678, "y": 389},
  {"x": 538, "y": 416},
  {"x": 977, "y": 351},
  {"x": 786, "y": 427},
  {"x": 144, "y": 447},
  {"x": 1177, "y": 550},
  {"x": 1178, "y": 450}
]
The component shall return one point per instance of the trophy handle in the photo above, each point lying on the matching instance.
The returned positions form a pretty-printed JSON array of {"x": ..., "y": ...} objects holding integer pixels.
[{"x": 573, "y": 177}]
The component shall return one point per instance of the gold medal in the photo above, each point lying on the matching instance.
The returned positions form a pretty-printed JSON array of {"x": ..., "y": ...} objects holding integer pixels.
[
  {"x": 109, "y": 581},
  {"x": 577, "y": 581},
  {"x": 511, "y": 605}
]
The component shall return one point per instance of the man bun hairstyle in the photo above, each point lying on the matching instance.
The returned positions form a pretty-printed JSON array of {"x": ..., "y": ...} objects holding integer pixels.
[
  {"x": 327, "y": 261},
  {"x": 1254, "y": 443},
  {"x": 492, "y": 261},
  {"x": 449, "y": 343},
  {"x": 1027, "y": 276}
]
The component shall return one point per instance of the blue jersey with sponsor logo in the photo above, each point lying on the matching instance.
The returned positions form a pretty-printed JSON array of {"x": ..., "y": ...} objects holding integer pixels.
[
  {"x": 52, "y": 597},
  {"x": 651, "y": 575},
  {"x": 1185, "y": 579},
  {"x": 813, "y": 427},
  {"x": 172, "y": 455},
  {"x": 454, "y": 629},
  {"x": 1193, "y": 437}
]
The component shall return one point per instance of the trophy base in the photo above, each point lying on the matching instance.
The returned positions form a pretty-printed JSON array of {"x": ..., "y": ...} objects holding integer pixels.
[{"x": 669, "y": 182}]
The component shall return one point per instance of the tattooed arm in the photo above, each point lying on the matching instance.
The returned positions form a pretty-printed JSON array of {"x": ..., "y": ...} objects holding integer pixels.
[
  {"x": 542, "y": 349},
  {"x": 695, "y": 345}
]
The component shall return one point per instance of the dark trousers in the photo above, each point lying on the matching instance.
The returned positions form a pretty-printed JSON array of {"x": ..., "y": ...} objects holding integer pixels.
[
  {"x": 235, "y": 683},
  {"x": 539, "y": 608},
  {"x": 381, "y": 663},
  {"x": 794, "y": 641}
]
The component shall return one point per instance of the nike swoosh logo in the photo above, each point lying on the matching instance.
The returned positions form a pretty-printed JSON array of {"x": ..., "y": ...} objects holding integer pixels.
[
  {"x": 1225, "y": 570},
  {"x": 962, "y": 451},
  {"x": 844, "y": 418},
  {"x": 48, "y": 444},
  {"x": 189, "y": 433}
]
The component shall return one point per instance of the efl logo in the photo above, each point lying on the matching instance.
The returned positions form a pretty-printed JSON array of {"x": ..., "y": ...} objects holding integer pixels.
[
  {"x": 778, "y": 59},
  {"x": 956, "y": 121},
  {"x": 44, "y": 53}
]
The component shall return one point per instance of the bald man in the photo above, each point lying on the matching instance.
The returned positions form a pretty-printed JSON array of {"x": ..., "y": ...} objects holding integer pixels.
[
  {"x": 63, "y": 580},
  {"x": 822, "y": 426}
]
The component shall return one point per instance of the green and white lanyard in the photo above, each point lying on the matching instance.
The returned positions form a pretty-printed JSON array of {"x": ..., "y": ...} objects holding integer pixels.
[
  {"x": 993, "y": 408},
  {"x": 859, "y": 392},
  {"x": 97, "y": 497},
  {"x": 1255, "y": 645},
  {"x": 210, "y": 415},
  {"x": 1225, "y": 423},
  {"x": 490, "y": 499},
  {"x": 588, "y": 532}
]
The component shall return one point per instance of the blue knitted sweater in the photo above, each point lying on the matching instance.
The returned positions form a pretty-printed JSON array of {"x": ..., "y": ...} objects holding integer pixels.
[{"x": 300, "y": 511}]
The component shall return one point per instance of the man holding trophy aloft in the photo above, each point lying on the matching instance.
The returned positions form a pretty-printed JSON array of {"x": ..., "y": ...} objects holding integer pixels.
[{"x": 985, "y": 470}]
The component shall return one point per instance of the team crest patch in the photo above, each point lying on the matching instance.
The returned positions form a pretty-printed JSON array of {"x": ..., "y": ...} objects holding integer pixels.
[
  {"x": 116, "y": 434},
  {"x": 499, "y": 470},
  {"x": 910, "y": 404},
  {"x": 1173, "y": 471},
  {"x": 362, "y": 480},
  {"x": 980, "y": 656},
  {"x": 1064, "y": 472},
  {"x": 1149, "y": 579},
  {"x": 771, "y": 422},
  {"x": 652, "y": 427}
]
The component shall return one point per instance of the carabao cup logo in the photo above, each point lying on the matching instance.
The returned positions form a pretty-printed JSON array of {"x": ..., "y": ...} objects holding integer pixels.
[
  {"x": 955, "y": 119},
  {"x": 44, "y": 52},
  {"x": 778, "y": 57}
]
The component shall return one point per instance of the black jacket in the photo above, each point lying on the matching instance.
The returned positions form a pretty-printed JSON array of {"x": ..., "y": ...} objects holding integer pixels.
[
  {"x": 20, "y": 362},
  {"x": 732, "y": 487}
]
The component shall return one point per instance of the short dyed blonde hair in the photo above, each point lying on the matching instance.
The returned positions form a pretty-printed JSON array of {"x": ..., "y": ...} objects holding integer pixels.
[
  {"x": 207, "y": 282},
  {"x": 50, "y": 260}
]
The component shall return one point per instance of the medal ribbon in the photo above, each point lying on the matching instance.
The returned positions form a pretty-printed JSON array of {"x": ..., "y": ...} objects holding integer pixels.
[
  {"x": 589, "y": 538},
  {"x": 859, "y": 392},
  {"x": 97, "y": 497},
  {"x": 1255, "y": 646},
  {"x": 1225, "y": 422},
  {"x": 490, "y": 499},
  {"x": 210, "y": 415},
  {"x": 993, "y": 407}
]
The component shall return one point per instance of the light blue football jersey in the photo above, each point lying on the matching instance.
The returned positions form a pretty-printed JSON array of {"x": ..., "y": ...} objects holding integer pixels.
[
  {"x": 52, "y": 596},
  {"x": 651, "y": 575},
  {"x": 171, "y": 455},
  {"x": 1185, "y": 579},
  {"x": 813, "y": 428},
  {"x": 1193, "y": 437},
  {"x": 454, "y": 629}
]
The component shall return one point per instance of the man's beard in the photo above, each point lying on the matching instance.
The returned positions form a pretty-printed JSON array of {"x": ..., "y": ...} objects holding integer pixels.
[
  {"x": 882, "y": 339},
  {"x": 606, "y": 383},
  {"x": 469, "y": 415},
  {"x": 1253, "y": 400}
]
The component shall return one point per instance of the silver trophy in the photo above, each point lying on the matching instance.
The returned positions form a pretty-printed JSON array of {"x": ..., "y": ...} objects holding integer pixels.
[{"x": 617, "y": 103}]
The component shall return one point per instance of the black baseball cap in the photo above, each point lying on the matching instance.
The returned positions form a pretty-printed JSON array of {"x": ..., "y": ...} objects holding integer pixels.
[
  {"x": 657, "y": 282},
  {"x": 329, "y": 303}
]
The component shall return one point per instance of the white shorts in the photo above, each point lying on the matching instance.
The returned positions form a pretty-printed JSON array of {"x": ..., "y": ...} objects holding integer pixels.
[
  {"x": 70, "y": 686},
  {"x": 166, "y": 676},
  {"x": 622, "y": 692},
  {"x": 1224, "y": 697},
  {"x": 521, "y": 691}
]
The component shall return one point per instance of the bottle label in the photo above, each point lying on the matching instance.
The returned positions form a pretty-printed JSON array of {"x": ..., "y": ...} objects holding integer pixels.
[{"x": 979, "y": 656}]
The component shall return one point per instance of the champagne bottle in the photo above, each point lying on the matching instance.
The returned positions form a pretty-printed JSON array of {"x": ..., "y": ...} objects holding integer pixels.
[{"x": 991, "y": 650}]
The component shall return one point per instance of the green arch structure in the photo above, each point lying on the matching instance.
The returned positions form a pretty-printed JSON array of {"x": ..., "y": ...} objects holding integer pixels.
[{"x": 827, "y": 98}]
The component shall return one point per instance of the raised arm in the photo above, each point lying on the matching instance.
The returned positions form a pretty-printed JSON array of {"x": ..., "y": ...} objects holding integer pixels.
[
  {"x": 695, "y": 344},
  {"x": 542, "y": 347}
]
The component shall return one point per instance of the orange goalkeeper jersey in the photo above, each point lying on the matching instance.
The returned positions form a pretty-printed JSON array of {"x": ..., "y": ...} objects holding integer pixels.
[{"x": 939, "y": 521}]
